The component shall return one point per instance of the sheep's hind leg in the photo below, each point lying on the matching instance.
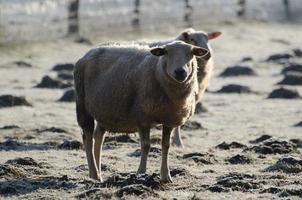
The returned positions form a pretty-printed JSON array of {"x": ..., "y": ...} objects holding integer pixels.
[
  {"x": 176, "y": 140},
  {"x": 164, "y": 170},
  {"x": 98, "y": 135},
  {"x": 88, "y": 143},
  {"x": 144, "y": 134}
]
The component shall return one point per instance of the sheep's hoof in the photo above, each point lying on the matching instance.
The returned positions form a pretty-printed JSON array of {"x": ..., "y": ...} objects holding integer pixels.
[
  {"x": 96, "y": 177},
  {"x": 166, "y": 179}
]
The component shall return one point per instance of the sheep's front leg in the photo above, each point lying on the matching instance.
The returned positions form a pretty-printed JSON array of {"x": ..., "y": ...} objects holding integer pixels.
[
  {"x": 176, "y": 140},
  {"x": 98, "y": 135},
  {"x": 144, "y": 134},
  {"x": 164, "y": 170},
  {"x": 88, "y": 143}
]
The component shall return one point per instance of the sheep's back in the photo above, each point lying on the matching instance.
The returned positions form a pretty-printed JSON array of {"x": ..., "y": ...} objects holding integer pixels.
[{"x": 112, "y": 81}]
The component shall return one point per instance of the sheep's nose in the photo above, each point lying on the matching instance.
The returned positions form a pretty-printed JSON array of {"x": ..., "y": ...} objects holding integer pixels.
[{"x": 180, "y": 74}]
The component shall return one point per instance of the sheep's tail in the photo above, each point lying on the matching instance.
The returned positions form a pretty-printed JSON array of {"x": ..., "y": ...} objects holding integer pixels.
[{"x": 85, "y": 120}]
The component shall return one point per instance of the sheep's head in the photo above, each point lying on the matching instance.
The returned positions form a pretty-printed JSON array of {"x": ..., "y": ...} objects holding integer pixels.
[
  {"x": 177, "y": 58},
  {"x": 199, "y": 38}
]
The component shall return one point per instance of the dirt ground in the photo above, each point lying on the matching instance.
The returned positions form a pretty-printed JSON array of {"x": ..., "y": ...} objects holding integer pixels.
[{"x": 41, "y": 155}]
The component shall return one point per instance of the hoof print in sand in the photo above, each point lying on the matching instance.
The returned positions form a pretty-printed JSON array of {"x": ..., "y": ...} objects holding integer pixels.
[
  {"x": 297, "y": 142},
  {"x": 235, "y": 182},
  {"x": 246, "y": 59},
  {"x": 218, "y": 189},
  {"x": 232, "y": 145},
  {"x": 203, "y": 158},
  {"x": 68, "y": 96},
  {"x": 21, "y": 63},
  {"x": 291, "y": 192},
  {"x": 25, "y": 166},
  {"x": 292, "y": 67},
  {"x": 132, "y": 184},
  {"x": 51, "y": 83},
  {"x": 283, "y": 192},
  {"x": 261, "y": 139},
  {"x": 71, "y": 145},
  {"x": 84, "y": 168},
  {"x": 191, "y": 125},
  {"x": 233, "y": 88},
  {"x": 298, "y": 124},
  {"x": 125, "y": 138},
  {"x": 272, "y": 146},
  {"x": 238, "y": 71},
  {"x": 239, "y": 159},
  {"x": 10, "y": 171},
  {"x": 10, "y": 101},
  {"x": 62, "y": 67},
  {"x": 8, "y": 127},
  {"x": 29, "y": 137},
  {"x": 135, "y": 189},
  {"x": 10, "y": 144},
  {"x": 95, "y": 193},
  {"x": 200, "y": 108},
  {"x": 154, "y": 152},
  {"x": 24, "y": 161},
  {"x": 297, "y": 52},
  {"x": 52, "y": 129},
  {"x": 65, "y": 75},
  {"x": 286, "y": 165},
  {"x": 179, "y": 172},
  {"x": 31, "y": 185},
  {"x": 279, "y": 57},
  {"x": 283, "y": 93},
  {"x": 291, "y": 79}
]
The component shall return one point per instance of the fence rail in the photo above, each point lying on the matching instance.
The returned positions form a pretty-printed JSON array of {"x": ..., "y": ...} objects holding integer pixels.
[{"x": 22, "y": 20}]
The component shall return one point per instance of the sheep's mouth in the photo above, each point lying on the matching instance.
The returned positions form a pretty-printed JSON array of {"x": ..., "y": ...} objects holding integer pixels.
[
  {"x": 181, "y": 82},
  {"x": 204, "y": 58},
  {"x": 180, "y": 78}
]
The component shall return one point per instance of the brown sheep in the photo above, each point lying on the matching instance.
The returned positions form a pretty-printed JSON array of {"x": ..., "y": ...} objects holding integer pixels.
[
  {"x": 205, "y": 64},
  {"x": 128, "y": 89}
]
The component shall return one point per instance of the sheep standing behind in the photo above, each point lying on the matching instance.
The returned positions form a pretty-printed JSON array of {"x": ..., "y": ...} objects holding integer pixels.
[
  {"x": 127, "y": 89},
  {"x": 205, "y": 64}
]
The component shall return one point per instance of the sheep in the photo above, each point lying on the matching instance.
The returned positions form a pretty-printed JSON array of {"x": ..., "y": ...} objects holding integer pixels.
[
  {"x": 205, "y": 64},
  {"x": 133, "y": 88}
]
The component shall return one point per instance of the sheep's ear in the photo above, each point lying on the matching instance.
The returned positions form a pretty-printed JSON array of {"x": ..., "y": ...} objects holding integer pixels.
[
  {"x": 214, "y": 35},
  {"x": 158, "y": 51},
  {"x": 190, "y": 30},
  {"x": 198, "y": 51},
  {"x": 186, "y": 35}
]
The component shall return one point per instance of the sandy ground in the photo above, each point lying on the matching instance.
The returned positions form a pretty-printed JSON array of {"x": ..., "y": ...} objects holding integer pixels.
[{"x": 54, "y": 172}]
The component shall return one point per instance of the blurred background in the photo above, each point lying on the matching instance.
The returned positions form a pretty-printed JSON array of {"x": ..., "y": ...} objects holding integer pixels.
[
  {"x": 32, "y": 20},
  {"x": 252, "y": 108}
]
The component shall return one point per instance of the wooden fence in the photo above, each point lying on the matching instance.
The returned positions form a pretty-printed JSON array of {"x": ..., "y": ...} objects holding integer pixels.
[{"x": 22, "y": 20}]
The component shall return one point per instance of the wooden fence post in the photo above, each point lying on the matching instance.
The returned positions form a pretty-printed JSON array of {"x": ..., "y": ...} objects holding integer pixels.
[
  {"x": 286, "y": 4},
  {"x": 188, "y": 13},
  {"x": 136, "y": 11},
  {"x": 242, "y": 8},
  {"x": 73, "y": 17}
]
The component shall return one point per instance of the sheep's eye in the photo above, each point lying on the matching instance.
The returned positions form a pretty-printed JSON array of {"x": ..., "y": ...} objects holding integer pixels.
[{"x": 193, "y": 41}]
